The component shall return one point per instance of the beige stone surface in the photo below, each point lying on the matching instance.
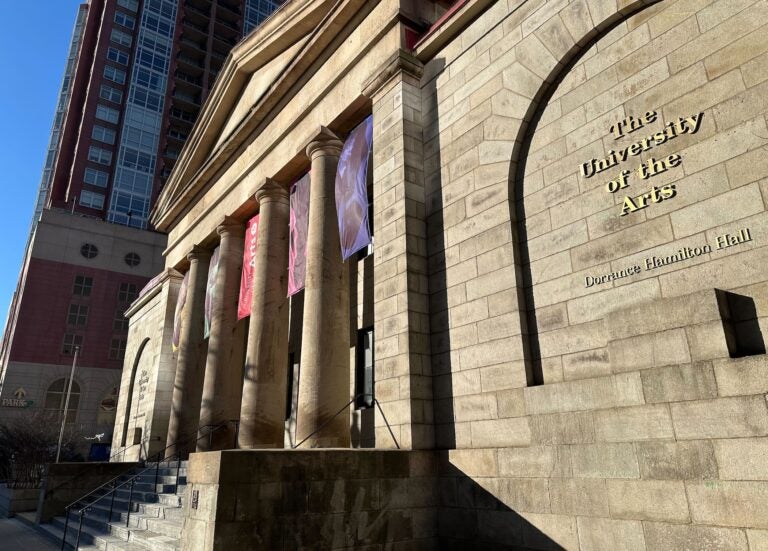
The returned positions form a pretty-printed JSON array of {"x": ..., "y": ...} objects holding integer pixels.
[
  {"x": 644, "y": 431},
  {"x": 741, "y": 504},
  {"x": 671, "y": 537},
  {"x": 677, "y": 460},
  {"x": 721, "y": 418},
  {"x": 742, "y": 458},
  {"x": 596, "y": 534}
]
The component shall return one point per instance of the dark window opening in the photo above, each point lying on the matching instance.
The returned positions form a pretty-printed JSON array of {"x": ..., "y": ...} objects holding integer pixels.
[
  {"x": 364, "y": 369},
  {"x": 83, "y": 286}
]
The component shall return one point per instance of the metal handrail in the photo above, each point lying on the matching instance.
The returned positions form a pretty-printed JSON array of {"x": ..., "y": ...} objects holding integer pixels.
[
  {"x": 157, "y": 458},
  {"x": 321, "y": 427}
]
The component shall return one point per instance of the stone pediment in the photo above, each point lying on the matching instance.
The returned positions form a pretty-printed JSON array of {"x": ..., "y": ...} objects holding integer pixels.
[{"x": 259, "y": 75}]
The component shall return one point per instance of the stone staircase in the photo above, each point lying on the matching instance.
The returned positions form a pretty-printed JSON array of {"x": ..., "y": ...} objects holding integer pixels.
[{"x": 155, "y": 521}]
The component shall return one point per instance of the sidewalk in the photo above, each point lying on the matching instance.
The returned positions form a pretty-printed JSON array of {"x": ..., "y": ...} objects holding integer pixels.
[{"x": 17, "y": 536}]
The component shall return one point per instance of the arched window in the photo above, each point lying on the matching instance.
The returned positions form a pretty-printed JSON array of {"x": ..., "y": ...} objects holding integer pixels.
[
  {"x": 108, "y": 408},
  {"x": 56, "y": 395}
]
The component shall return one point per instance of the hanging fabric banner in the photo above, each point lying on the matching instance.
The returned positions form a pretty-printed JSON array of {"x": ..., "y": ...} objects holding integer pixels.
[
  {"x": 152, "y": 282},
  {"x": 249, "y": 261},
  {"x": 297, "y": 251},
  {"x": 210, "y": 291},
  {"x": 181, "y": 302},
  {"x": 351, "y": 189}
]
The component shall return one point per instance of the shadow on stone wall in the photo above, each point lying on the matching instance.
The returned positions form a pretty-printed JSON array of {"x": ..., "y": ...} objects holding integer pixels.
[
  {"x": 741, "y": 324},
  {"x": 440, "y": 342},
  {"x": 350, "y": 499},
  {"x": 472, "y": 514}
]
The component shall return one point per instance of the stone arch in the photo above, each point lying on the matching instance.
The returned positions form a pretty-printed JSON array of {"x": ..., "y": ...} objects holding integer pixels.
[
  {"x": 608, "y": 18},
  {"x": 129, "y": 401}
]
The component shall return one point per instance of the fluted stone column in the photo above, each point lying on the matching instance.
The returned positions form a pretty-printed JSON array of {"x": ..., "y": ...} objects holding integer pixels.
[
  {"x": 262, "y": 412},
  {"x": 324, "y": 371},
  {"x": 190, "y": 363},
  {"x": 223, "y": 372}
]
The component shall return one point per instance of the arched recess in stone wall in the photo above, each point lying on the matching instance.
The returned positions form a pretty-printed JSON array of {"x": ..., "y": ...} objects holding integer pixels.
[
  {"x": 609, "y": 20},
  {"x": 129, "y": 401}
]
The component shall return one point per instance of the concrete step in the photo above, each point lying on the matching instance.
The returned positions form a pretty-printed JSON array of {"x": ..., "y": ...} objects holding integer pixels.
[
  {"x": 118, "y": 527},
  {"x": 89, "y": 538},
  {"x": 145, "y": 533}
]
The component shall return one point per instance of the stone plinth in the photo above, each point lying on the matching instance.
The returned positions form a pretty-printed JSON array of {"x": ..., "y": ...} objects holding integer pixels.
[{"x": 319, "y": 499}]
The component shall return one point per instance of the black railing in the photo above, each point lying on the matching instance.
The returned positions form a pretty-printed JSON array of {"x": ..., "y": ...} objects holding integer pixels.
[
  {"x": 321, "y": 427},
  {"x": 115, "y": 484}
]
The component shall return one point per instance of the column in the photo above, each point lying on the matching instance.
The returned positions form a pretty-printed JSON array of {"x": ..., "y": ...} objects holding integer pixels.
[
  {"x": 190, "y": 363},
  {"x": 324, "y": 370},
  {"x": 262, "y": 411},
  {"x": 223, "y": 373},
  {"x": 402, "y": 321}
]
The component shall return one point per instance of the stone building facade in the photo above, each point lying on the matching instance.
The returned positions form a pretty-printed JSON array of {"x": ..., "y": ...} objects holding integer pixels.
[{"x": 567, "y": 286}]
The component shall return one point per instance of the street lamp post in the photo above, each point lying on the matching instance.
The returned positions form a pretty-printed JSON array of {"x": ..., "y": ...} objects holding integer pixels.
[{"x": 66, "y": 403}]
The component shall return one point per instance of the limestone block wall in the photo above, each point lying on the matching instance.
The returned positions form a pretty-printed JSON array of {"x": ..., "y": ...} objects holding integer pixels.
[
  {"x": 627, "y": 411},
  {"x": 513, "y": 108},
  {"x": 310, "y": 499},
  {"x": 671, "y": 456},
  {"x": 146, "y": 386}
]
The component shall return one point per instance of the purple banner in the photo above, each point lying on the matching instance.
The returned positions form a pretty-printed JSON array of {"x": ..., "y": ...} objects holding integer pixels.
[
  {"x": 297, "y": 251},
  {"x": 351, "y": 189},
  {"x": 181, "y": 301},
  {"x": 152, "y": 282},
  {"x": 210, "y": 291}
]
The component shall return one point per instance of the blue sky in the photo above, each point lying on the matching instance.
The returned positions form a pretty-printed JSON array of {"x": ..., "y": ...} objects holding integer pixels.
[{"x": 33, "y": 50}]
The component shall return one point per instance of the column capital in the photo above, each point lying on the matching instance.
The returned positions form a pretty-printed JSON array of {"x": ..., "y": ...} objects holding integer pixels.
[
  {"x": 198, "y": 253},
  {"x": 230, "y": 226},
  {"x": 324, "y": 142},
  {"x": 271, "y": 190},
  {"x": 401, "y": 62}
]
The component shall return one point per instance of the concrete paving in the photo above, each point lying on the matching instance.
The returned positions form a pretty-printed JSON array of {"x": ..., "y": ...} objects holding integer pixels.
[{"x": 18, "y": 536}]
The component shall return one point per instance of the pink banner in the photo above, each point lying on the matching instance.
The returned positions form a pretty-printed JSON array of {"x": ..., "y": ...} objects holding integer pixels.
[
  {"x": 210, "y": 292},
  {"x": 181, "y": 302},
  {"x": 297, "y": 252},
  {"x": 351, "y": 189},
  {"x": 249, "y": 261}
]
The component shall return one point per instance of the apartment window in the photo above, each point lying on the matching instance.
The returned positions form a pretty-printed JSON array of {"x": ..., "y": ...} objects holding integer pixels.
[
  {"x": 132, "y": 259},
  {"x": 96, "y": 177},
  {"x": 70, "y": 342},
  {"x": 137, "y": 160},
  {"x": 118, "y": 56},
  {"x": 125, "y": 20},
  {"x": 83, "y": 286},
  {"x": 119, "y": 37},
  {"x": 107, "y": 113},
  {"x": 132, "y": 5},
  {"x": 114, "y": 74},
  {"x": 364, "y": 369},
  {"x": 102, "y": 134},
  {"x": 120, "y": 323},
  {"x": 91, "y": 199},
  {"x": 127, "y": 292},
  {"x": 55, "y": 398},
  {"x": 99, "y": 155},
  {"x": 89, "y": 250},
  {"x": 78, "y": 315},
  {"x": 117, "y": 349},
  {"x": 110, "y": 94}
]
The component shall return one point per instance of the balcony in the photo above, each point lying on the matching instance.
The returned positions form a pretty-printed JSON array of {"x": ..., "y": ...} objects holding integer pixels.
[
  {"x": 189, "y": 99},
  {"x": 189, "y": 79},
  {"x": 197, "y": 65},
  {"x": 184, "y": 41}
]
